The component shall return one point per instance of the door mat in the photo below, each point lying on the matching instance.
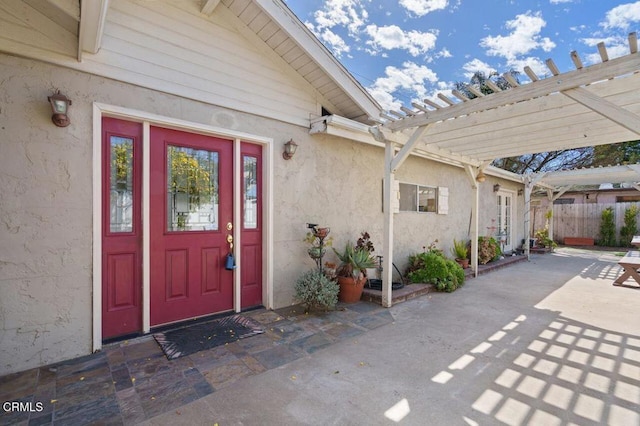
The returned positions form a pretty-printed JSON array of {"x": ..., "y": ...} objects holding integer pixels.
[{"x": 198, "y": 337}]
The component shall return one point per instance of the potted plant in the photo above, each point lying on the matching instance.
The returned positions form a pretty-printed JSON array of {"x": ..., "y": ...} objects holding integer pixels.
[
  {"x": 354, "y": 262},
  {"x": 460, "y": 253}
]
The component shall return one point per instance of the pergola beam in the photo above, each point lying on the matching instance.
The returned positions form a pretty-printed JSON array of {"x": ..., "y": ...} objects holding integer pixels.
[
  {"x": 613, "y": 112},
  {"x": 603, "y": 71}
]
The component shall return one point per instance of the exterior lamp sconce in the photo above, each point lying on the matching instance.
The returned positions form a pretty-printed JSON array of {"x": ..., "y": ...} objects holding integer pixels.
[
  {"x": 496, "y": 187},
  {"x": 481, "y": 177},
  {"x": 520, "y": 191},
  {"x": 289, "y": 149},
  {"x": 59, "y": 106}
]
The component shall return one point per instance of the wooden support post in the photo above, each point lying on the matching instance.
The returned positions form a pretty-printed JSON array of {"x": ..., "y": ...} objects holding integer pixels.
[{"x": 388, "y": 192}]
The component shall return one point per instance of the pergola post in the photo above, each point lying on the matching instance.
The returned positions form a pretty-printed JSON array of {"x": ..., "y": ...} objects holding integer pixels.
[
  {"x": 550, "y": 209},
  {"x": 387, "y": 207},
  {"x": 472, "y": 172},
  {"x": 528, "y": 187}
]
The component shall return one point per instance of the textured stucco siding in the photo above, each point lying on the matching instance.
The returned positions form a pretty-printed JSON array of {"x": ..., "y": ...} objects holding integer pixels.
[{"x": 46, "y": 214}]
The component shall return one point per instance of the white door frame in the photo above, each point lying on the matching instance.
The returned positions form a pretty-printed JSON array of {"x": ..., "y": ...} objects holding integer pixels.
[
  {"x": 148, "y": 119},
  {"x": 511, "y": 194}
]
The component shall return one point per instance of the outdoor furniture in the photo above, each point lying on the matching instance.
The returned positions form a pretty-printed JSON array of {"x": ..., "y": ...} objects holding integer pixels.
[
  {"x": 581, "y": 241},
  {"x": 631, "y": 264},
  {"x": 635, "y": 241}
]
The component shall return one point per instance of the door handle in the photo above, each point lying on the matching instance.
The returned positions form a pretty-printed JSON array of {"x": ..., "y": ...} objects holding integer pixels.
[{"x": 230, "y": 241}]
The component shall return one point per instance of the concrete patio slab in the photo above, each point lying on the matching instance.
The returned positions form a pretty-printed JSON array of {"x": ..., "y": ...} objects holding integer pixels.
[{"x": 544, "y": 342}]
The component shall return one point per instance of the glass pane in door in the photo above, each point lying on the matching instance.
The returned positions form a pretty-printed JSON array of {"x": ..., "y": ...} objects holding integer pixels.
[
  {"x": 121, "y": 184},
  {"x": 250, "y": 194},
  {"x": 192, "y": 189}
]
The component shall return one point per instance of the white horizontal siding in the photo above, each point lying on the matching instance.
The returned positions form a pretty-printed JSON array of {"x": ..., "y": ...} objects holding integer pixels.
[
  {"x": 24, "y": 30},
  {"x": 171, "y": 47}
]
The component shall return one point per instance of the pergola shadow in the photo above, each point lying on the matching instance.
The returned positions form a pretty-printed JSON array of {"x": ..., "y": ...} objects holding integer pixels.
[{"x": 570, "y": 373}]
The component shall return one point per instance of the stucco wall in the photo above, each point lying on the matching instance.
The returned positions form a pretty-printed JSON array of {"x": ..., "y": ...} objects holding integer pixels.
[{"x": 46, "y": 202}]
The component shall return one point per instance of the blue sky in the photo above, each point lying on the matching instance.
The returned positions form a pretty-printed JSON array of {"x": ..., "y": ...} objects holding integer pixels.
[{"x": 409, "y": 50}]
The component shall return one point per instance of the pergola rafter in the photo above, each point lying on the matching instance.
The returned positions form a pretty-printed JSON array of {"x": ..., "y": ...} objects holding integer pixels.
[{"x": 593, "y": 105}]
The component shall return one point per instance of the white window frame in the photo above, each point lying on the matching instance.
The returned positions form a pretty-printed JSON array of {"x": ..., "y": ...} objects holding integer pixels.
[{"x": 418, "y": 186}]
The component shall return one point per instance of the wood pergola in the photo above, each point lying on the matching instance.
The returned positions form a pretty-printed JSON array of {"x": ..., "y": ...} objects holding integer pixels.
[{"x": 591, "y": 105}]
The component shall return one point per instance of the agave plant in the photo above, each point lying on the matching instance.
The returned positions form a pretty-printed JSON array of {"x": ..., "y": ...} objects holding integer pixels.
[{"x": 354, "y": 261}]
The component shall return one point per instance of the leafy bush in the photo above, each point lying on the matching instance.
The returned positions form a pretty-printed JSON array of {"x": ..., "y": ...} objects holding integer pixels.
[
  {"x": 432, "y": 267},
  {"x": 488, "y": 250},
  {"x": 316, "y": 291},
  {"x": 542, "y": 235},
  {"x": 607, "y": 228},
  {"x": 630, "y": 227}
]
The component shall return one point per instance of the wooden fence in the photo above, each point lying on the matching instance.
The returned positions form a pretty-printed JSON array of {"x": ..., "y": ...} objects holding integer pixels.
[{"x": 579, "y": 220}]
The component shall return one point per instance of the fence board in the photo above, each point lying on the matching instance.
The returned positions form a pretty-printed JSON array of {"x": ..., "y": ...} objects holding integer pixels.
[{"x": 580, "y": 220}]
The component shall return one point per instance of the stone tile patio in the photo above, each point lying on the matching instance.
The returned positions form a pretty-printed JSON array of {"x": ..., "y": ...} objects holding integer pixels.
[{"x": 131, "y": 381}]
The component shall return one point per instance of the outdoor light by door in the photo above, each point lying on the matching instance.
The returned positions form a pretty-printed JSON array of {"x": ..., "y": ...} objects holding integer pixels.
[
  {"x": 59, "y": 106},
  {"x": 289, "y": 149},
  {"x": 481, "y": 177},
  {"x": 496, "y": 187}
]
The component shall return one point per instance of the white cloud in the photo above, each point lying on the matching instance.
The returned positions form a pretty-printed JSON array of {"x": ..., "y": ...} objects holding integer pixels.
[
  {"x": 444, "y": 53},
  {"x": 422, "y": 7},
  {"x": 336, "y": 44},
  {"x": 524, "y": 37},
  {"x": 536, "y": 65},
  {"x": 410, "y": 78},
  {"x": 393, "y": 37},
  {"x": 350, "y": 14},
  {"x": 616, "y": 46},
  {"x": 475, "y": 65},
  {"x": 622, "y": 16},
  {"x": 560, "y": 1},
  {"x": 613, "y": 51}
]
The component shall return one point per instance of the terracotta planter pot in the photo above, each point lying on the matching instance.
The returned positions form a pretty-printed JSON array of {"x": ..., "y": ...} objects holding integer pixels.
[
  {"x": 350, "y": 289},
  {"x": 463, "y": 262}
]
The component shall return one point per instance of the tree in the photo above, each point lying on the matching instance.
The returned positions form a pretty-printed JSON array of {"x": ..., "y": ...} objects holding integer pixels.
[
  {"x": 544, "y": 161},
  {"x": 617, "y": 153}
]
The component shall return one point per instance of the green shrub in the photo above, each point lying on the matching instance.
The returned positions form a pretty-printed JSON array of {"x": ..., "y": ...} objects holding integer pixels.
[
  {"x": 542, "y": 235},
  {"x": 433, "y": 268},
  {"x": 316, "y": 291},
  {"x": 607, "y": 228},
  {"x": 630, "y": 227}
]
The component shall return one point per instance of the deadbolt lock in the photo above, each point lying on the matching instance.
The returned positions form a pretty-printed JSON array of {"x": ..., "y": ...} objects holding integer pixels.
[{"x": 229, "y": 226}]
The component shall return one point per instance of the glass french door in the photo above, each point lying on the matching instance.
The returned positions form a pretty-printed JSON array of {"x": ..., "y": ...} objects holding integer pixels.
[{"x": 505, "y": 221}]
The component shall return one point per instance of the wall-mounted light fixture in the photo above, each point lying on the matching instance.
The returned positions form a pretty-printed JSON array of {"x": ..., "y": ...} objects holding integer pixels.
[
  {"x": 289, "y": 149},
  {"x": 59, "y": 106},
  {"x": 520, "y": 191},
  {"x": 480, "y": 177},
  {"x": 496, "y": 187}
]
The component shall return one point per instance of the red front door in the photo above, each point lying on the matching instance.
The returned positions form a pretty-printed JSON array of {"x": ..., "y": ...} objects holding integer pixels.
[
  {"x": 121, "y": 228},
  {"x": 191, "y": 217}
]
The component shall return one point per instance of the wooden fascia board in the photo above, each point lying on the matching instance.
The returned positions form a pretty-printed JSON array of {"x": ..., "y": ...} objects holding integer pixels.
[
  {"x": 343, "y": 127},
  {"x": 93, "y": 14},
  {"x": 559, "y": 83},
  {"x": 320, "y": 54}
]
